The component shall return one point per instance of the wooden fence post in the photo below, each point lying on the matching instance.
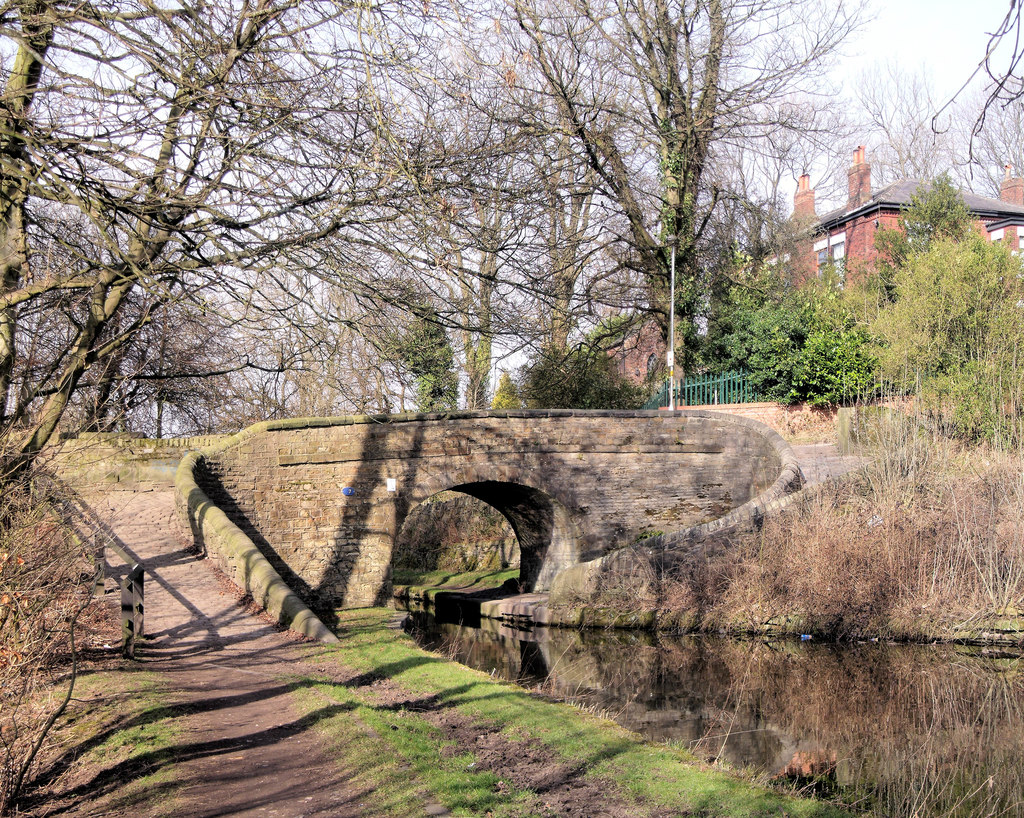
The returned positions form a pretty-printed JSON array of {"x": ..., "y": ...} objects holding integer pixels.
[
  {"x": 132, "y": 627},
  {"x": 99, "y": 564}
]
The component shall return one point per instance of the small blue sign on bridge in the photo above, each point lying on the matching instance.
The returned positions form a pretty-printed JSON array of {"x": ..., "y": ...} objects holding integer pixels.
[{"x": 348, "y": 491}]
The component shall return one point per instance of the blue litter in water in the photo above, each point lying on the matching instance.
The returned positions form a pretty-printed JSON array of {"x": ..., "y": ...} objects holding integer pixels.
[
  {"x": 348, "y": 491},
  {"x": 804, "y": 637}
]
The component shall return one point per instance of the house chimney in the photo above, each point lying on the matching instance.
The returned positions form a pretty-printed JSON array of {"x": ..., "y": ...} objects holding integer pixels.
[
  {"x": 803, "y": 199},
  {"x": 1011, "y": 190},
  {"x": 860, "y": 179}
]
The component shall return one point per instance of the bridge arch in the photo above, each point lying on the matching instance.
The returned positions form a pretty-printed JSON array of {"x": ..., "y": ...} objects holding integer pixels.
[{"x": 548, "y": 538}]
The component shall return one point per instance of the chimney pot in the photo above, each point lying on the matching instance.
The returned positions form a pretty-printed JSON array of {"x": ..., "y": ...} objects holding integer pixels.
[
  {"x": 1011, "y": 190},
  {"x": 860, "y": 179},
  {"x": 803, "y": 199}
]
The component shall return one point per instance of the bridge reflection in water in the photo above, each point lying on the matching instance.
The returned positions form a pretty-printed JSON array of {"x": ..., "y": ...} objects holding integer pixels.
[{"x": 906, "y": 730}]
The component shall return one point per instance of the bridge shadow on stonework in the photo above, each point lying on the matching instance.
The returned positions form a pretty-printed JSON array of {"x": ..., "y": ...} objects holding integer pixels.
[
  {"x": 220, "y": 495},
  {"x": 364, "y": 521},
  {"x": 543, "y": 528}
]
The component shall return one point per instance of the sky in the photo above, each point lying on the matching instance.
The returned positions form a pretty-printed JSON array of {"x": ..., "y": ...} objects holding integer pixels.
[{"x": 944, "y": 38}]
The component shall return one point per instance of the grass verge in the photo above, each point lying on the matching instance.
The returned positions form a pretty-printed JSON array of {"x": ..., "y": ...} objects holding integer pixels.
[
  {"x": 400, "y": 757},
  {"x": 416, "y": 583},
  {"x": 113, "y": 751}
]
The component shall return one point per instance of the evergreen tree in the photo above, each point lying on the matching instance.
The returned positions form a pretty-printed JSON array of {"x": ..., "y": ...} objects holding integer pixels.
[
  {"x": 427, "y": 354},
  {"x": 507, "y": 395}
]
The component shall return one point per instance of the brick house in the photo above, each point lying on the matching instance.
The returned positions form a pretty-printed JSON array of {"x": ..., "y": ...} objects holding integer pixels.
[
  {"x": 846, "y": 235},
  {"x": 639, "y": 353}
]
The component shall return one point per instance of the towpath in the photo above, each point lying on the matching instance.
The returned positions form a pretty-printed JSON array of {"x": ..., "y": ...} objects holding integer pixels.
[{"x": 244, "y": 750}]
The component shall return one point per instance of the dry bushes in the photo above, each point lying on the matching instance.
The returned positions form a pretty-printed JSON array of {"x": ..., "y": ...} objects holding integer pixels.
[
  {"x": 927, "y": 543},
  {"x": 45, "y": 584}
]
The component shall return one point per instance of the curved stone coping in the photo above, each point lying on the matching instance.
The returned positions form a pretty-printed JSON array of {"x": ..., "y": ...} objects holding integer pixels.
[
  {"x": 584, "y": 578},
  {"x": 239, "y": 557},
  {"x": 242, "y": 557}
]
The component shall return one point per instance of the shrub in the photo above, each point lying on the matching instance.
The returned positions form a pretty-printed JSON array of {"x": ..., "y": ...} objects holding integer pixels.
[
  {"x": 796, "y": 345},
  {"x": 583, "y": 377},
  {"x": 836, "y": 365},
  {"x": 955, "y": 331}
]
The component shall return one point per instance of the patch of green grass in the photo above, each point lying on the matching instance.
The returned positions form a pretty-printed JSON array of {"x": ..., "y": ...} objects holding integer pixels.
[
  {"x": 124, "y": 738},
  {"x": 649, "y": 776},
  {"x": 477, "y": 580},
  {"x": 399, "y": 762}
]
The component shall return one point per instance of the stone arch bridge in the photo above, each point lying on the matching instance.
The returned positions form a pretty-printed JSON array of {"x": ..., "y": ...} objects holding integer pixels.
[{"x": 324, "y": 499}]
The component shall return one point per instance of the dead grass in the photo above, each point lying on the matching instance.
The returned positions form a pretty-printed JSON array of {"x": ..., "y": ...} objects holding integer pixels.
[
  {"x": 45, "y": 599},
  {"x": 928, "y": 543}
]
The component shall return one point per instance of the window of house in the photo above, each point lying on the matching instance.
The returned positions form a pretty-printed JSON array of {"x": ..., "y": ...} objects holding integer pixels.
[
  {"x": 820, "y": 252},
  {"x": 652, "y": 363},
  {"x": 839, "y": 262}
]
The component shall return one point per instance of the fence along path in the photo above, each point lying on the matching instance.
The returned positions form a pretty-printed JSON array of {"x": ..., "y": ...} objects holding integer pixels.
[
  {"x": 707, "y": 390},
  {"x": 243, "y": 751},
  {"x": 96, "y": 536}
]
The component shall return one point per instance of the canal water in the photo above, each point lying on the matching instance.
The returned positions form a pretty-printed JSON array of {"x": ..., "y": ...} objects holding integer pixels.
[{"x": 914, "y": 730}]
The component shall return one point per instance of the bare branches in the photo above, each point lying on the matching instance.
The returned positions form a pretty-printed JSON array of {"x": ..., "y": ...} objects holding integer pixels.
[
  {"x": 655, "y": 98},
  {"x": 1001, "y": 68},
  {"x": 186, "y": 149}
]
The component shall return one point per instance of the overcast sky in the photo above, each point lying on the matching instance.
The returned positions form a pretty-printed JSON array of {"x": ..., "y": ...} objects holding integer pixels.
[{"x": 945, "y": 38}]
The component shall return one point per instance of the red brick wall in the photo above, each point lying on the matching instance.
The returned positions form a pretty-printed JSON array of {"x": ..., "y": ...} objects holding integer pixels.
[
  {"x": 861, "y": 254},
  {"x": 1011, "y": 235},
  {"x": 636, "y": 350}
]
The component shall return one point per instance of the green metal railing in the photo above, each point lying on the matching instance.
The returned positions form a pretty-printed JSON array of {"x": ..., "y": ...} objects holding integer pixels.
[{"x": 706, "y": 390}]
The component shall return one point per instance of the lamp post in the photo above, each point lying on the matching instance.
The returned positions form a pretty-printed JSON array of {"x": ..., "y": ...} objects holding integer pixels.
[{"x": 672, "y": 326}]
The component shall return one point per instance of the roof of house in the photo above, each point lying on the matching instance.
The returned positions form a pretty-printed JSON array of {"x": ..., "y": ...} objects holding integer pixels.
[{"x": 897, "y": 197}]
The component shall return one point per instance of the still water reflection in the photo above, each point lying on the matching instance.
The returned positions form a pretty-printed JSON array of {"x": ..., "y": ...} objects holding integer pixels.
[{"x": 905, "y": 730}]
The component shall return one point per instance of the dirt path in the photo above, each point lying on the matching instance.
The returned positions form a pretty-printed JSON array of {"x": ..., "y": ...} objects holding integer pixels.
[
  {"x": 244, "y": 751},
  {"x": 822, "y": 461}
]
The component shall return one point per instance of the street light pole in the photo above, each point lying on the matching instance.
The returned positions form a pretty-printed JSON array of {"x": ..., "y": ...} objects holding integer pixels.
[{"x": 672, "y": 328}]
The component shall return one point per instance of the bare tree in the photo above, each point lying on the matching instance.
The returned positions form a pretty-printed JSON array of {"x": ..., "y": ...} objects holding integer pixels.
[
  {"x": 652, "y": 94},
  {"x": 899, "y": 109},
  {"x": 1001, "y": 73},
  {"x": 150, "y": 153},
  {"x": 998, "y": 144}
]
